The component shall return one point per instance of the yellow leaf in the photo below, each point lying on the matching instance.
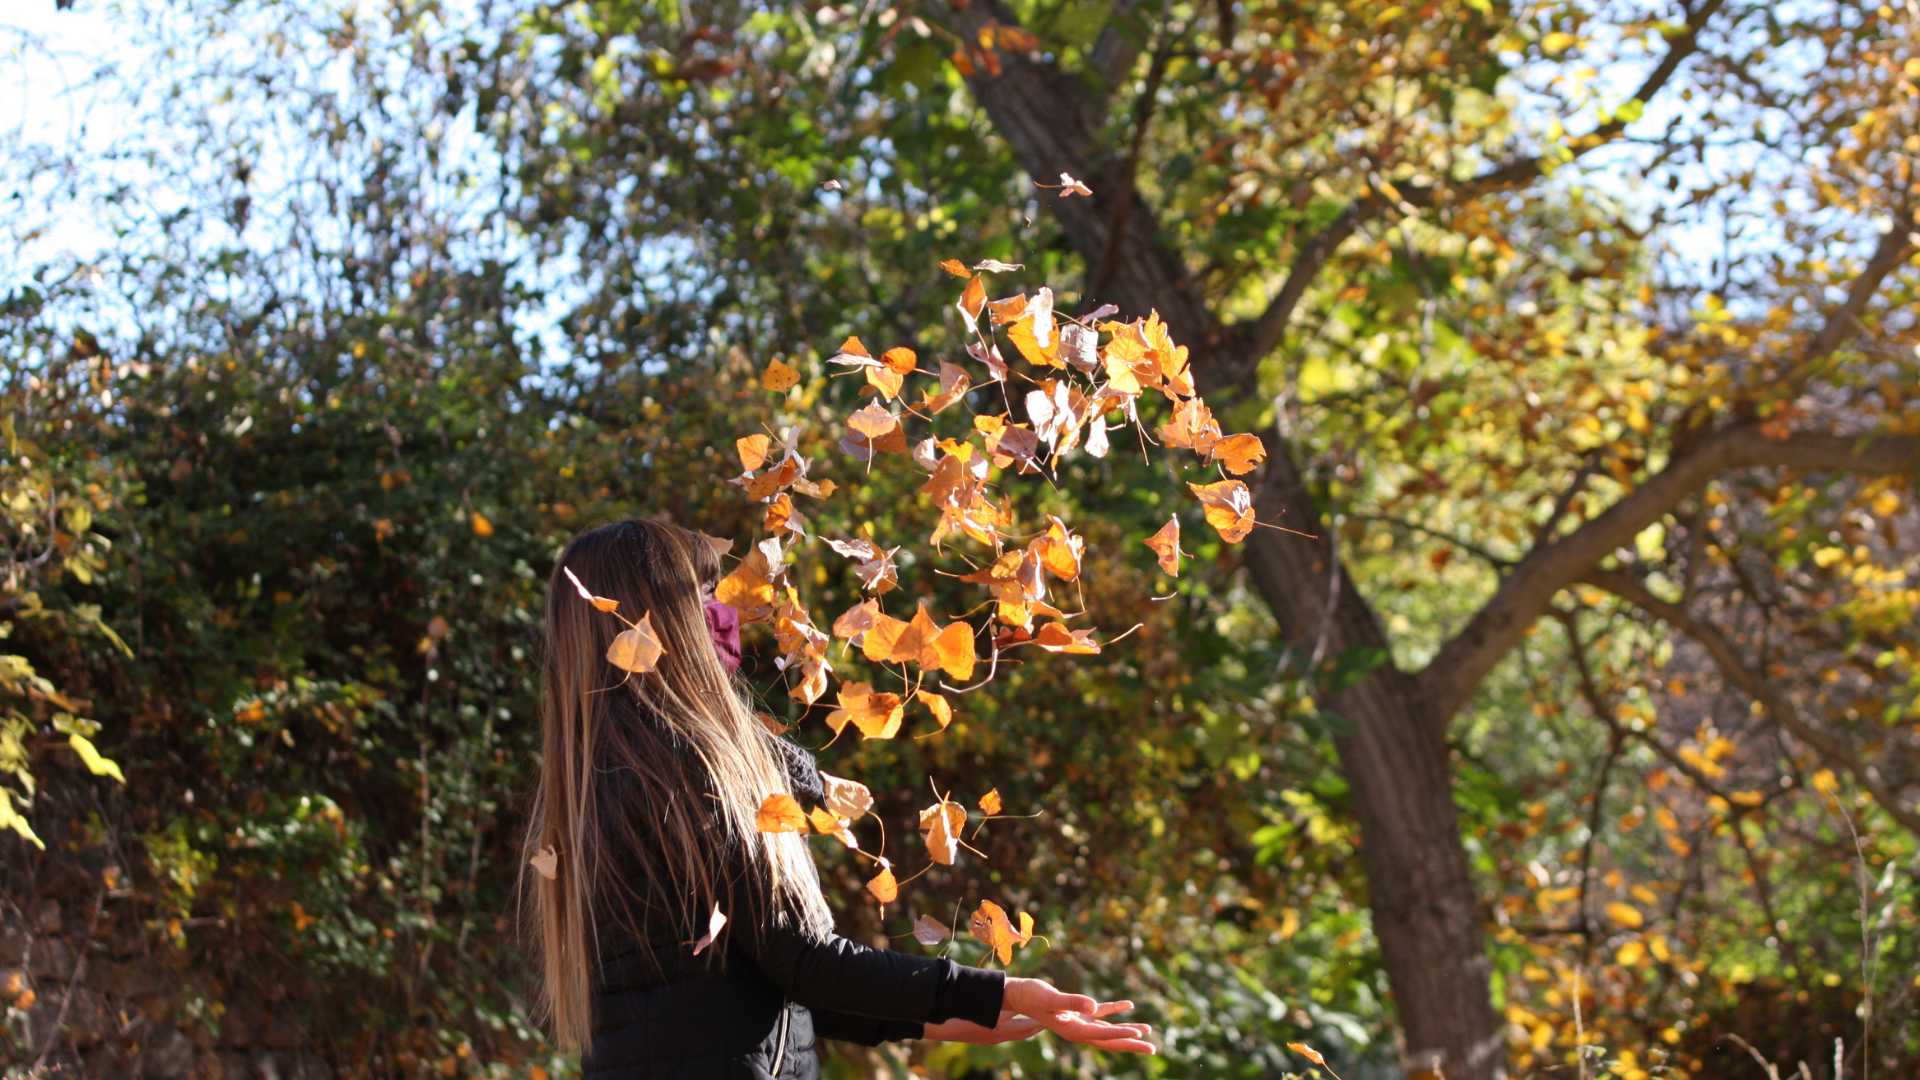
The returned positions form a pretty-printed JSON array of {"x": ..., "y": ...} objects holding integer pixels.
[
  {"x": 1558, "y": 42},
  {"x": 96, "y": 764},
  {"x": 990, "y": 802},
  {"x": 481, "y": 526},
  {"x": 1630, "y": 954},
  {"x": 1625, "y": 915},
  {"x": 1308, "y": 1052}
]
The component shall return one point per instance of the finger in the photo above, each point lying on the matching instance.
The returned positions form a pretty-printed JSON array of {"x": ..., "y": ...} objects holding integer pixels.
[
  {"x": 1108, "y": 1008},
  {"x": 1077, "y": 1003},
  {"x": 1127, "y": 1046},
  {"x": 1080, "y": 1029}
]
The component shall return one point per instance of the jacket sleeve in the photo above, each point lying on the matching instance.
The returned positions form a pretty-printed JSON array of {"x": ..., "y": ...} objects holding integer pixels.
[
  {"x": 838, "y": 975},
  {"x": 862, "y": 1030}
]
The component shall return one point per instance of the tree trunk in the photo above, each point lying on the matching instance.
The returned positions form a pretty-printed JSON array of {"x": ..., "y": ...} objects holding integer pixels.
[{"x": 1393, "y": 751}]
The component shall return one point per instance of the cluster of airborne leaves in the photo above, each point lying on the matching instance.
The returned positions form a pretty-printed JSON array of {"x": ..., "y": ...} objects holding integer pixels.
[{"x": 1084, "y": 377}]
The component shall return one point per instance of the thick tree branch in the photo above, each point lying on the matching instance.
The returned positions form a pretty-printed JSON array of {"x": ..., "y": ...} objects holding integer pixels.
[
  {"x": 1525, "y": 594},
  {"x": 1726, "y": 657}
]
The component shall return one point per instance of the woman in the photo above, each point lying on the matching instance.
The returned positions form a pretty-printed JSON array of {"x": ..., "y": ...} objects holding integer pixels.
[{"x": 647, "y": 796}]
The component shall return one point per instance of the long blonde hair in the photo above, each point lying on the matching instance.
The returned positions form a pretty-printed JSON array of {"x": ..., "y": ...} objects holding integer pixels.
[{"x": 662, "y": 771}]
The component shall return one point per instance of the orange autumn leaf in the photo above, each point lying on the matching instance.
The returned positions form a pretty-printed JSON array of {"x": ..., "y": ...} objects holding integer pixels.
[
  {"x": 1022, "y": 335},
  {"x": 991, "y": 927},
  {"x": 954, "y": 383},
  {"x": 1055, "y": 637},
  {"x": 973, "y": 299},
  {"x": 1007, "y": 309},
  {"x": 853, "y": 347},
  {"x": 949, "y": 648},
  {"x": 990, "y": 802},
  {"x": 941, "y": 824},
  {"x": 956, "y": 268},
  {"x": 780, "y": 813},
  {"x": 1229, "y": 508},
  {"x": 884, "y": 887},
  {"x": 938, "y": 705},
  {"x": 764, "y": 486},
  {"x": 877, "y": 715},
  {"x": 1241, "y": 454},
  {"x": 826, "y": 823},
  {"x": 900, "y": 360},
  {"x": 481, "y": 526},
  {"x": 779, "y": 377},
  {"x": 637, "y": 648},
  {"x": 1308, "y": 1052},
  {"x": 1060, "y": 550},
  {"x": 752, "y": 450},
  {"x": 749, "y": 588},
  {"x": 1166, "y": 546}
]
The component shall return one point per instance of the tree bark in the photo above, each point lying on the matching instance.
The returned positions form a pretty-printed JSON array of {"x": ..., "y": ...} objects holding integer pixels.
[{"x": 1393, "y": 751}]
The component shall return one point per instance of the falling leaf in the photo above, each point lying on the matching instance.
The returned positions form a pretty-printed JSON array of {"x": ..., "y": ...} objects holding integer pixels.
[
  {"x": 1241, "y": 454},
  {"x": 847, "y": 798},
  {"x": 991, "y": 927},
  {"x": 637, "y": 648},
  {"x": 929, "y": 931},
  {"x": 749, "y": 588},
  {"x": 1055, "y": 637},
  {"x": 990, "y": 802},
  {"x": 779, "y": 377},
  {"x": 949, "y": 648},
  {"x": 941, "y": 824},
  {"x": 1166, "y": 546},
  {"x": 781, "y": 813},
  {"x": 600, "y": 603},
  {"x": 938, "y": 705},
  {"x": 956, "y": 268},
  {"x": 752, "y": 450},
  {"x": 883, "y": 887},
  {"x": 830, "y": 185},
  {"x": 546, "y": 862},
  {"x": 877, "y": 715},
  {"x": 995, "y": 266},
  {"x": 1229, "y": 508},
  {"x": 827, "y": 823},
  {"x": 972, "y": 300},
  {"x": 481, "y": 526},
  {"x": 873, "y": 421},
  {"x": 714, "y": 924},
  {"x": 1069, "y": 187},
  {"x": 1308, "y": 1052},
  {"x": 1007, "y": 309}
]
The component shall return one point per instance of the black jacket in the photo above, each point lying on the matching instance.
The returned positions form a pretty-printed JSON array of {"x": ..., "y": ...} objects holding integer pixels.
[{"x": 670, "y": 1014}]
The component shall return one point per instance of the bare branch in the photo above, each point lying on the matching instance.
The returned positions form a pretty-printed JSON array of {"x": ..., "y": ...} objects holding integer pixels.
[
  {"x": 1726, "y": 657},
  {"x": 1524, "y": 596}
]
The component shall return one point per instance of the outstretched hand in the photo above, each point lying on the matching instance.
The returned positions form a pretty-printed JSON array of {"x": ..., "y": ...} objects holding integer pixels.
[{"x": 1033, "y": 1006}]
